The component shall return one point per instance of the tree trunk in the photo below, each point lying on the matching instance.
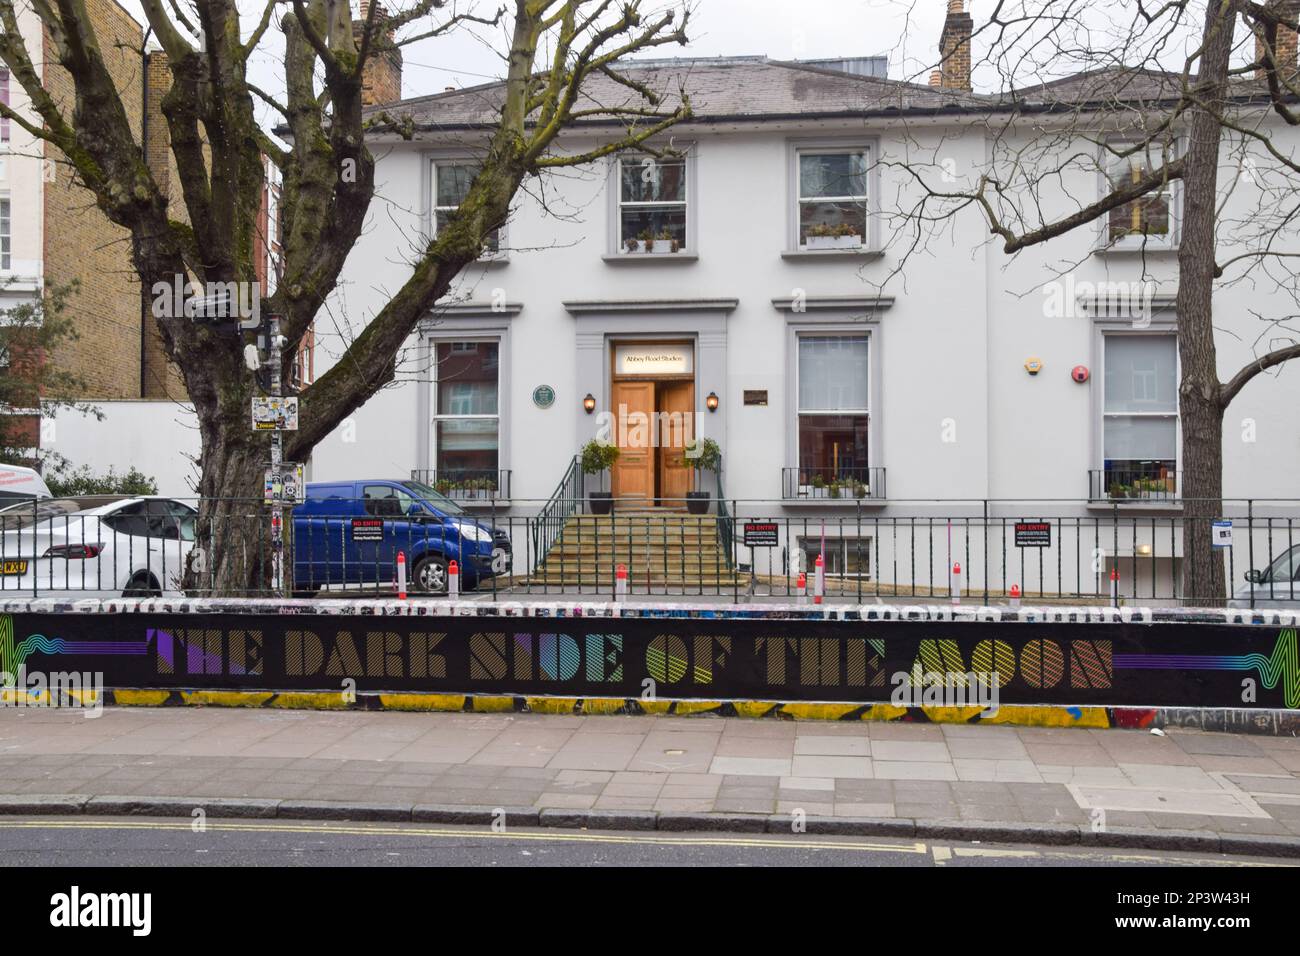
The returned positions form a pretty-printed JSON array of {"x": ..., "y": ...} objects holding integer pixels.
[
  {"x": 1198, "y": 391},
  {"x": 234, "y": 524}
]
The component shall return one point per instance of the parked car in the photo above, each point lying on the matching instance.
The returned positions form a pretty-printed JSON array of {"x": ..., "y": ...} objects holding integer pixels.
[
  {"x": 1278, "y": 585},
  {"x": 23, "y": 484},
  {"x": 95, "y": 546},
  {"x": 349, "y": 533}
]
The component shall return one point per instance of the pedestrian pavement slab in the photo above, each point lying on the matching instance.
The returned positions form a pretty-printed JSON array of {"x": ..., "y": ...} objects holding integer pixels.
[{"x": 578, "y": 768}]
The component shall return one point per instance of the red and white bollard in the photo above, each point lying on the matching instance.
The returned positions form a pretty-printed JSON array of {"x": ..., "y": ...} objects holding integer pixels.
[
  {"x": 801, "y": 588},
  {"x": 819, "y": 580},
  {"x": 620, "y": 583},
  {"x": 956, "y": 582},
  {"x": 453, "y": 581},
  {"x": 1015, "y": 595},
  {"x": 401, "y": 575},
  {"x": 1114, "y": 587}
]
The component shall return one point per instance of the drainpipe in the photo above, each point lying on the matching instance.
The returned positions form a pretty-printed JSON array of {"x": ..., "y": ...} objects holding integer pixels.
[{"x": 144, "y": 150}]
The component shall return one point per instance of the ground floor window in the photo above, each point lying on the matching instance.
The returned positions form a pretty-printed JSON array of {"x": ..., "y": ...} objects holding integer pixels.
[
  {"x": 1140, "y": 417},
  {"x": 834, "y": 414},
  {"x": 467, "y": 420},
  {"x": 845, "y": 557}
]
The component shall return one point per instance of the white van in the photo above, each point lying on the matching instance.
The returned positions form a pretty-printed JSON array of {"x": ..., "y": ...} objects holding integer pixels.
[{"x": 21, "y": 484}]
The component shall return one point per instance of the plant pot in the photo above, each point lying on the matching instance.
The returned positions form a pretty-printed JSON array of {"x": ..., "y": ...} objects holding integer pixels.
[
  {"x": 813, "y": 243},
  {"x": 601, "y": 502},
  {"x": 654, "y": 247},
  {"x": 697, "y": 502}
]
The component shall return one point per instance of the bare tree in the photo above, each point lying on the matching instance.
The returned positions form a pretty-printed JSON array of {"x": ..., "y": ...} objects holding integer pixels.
[
  {"x": 552, "y": 48},
  {"x": 1174, "y": 92}
]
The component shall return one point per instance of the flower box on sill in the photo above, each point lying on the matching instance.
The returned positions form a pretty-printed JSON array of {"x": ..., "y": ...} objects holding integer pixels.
[
  {"x": 656, "y": 247},
  {"x": 826, "y": 243}
]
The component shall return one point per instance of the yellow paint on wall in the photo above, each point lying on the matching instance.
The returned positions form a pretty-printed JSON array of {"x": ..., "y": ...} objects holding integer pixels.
[
  {"x": 493, "y": 705},
  {"x": 688, "y": 707},
  {"x": 604, "y": 705},
  {"x": 754, "y": 708},
  {"x": 440, "y": 702},
  {"x": 1050, "y": 716},
  {"x": 141, "y": 698},
  {"x": 320, "y": 700},
  {"x": 225, "y": 698},
  {"x": 656, "y": 706},
  {"x": 803, "y": 711},
  {"x": 884, "y": 712},
  {"x": 552, "y": 705}
]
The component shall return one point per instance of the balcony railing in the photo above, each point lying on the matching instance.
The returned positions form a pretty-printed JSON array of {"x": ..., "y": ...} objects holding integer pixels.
[
  {"x": 467, "y": 484},
  {"x": 832, "y": 484},
  {"x": 1128, "y": 481}
]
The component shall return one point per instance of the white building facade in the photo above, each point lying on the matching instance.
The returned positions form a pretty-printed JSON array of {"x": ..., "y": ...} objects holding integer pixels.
[{"x": 855, "y": 380}]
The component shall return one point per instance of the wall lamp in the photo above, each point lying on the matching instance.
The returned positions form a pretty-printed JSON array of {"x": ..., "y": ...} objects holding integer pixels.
[
  {"x": 589, "y": 403},
  {"x": 712, "y": 402}
]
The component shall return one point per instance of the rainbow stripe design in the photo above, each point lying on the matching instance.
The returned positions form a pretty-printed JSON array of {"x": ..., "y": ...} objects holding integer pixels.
[
  {"x": 1283, "y": 666},
  {"x": 14, "y": 655}
]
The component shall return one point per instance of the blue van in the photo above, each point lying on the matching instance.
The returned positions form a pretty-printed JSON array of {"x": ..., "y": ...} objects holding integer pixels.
[{"x": 349, "y": 533}]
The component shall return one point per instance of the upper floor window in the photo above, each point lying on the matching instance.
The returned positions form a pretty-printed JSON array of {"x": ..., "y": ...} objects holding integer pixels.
[
  {"x": 832, "y": 198},
  {"x": 1140, "y": 416},
  {"x": 652, "y": 204},
  {"x": 1148, "y": 220},
  {"x": 451, "y": 182}
]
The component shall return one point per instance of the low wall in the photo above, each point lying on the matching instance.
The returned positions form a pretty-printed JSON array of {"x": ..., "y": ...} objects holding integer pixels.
[{"x": 1065, "y": 657}]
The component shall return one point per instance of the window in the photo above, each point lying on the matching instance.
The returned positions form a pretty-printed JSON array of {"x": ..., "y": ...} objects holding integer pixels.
[
  {"x": 832, "y": 197},
  {"x": 652, "y": 204},
  {"x": 385, "y": 501},
  {"x": 4, "y": 234},
  {"x": 451, "y": 182},
  {"x": 1140, "y": 416},
  {"x": 833, "y": 410},
  {"x": 1145, "y": 221},
  {"x": 467, "y": 422},
  {"x": 845, "y": 557}
]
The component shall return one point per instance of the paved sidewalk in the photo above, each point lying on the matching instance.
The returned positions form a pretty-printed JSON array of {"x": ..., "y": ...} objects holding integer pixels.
[{"x": 1091, "y": 780}]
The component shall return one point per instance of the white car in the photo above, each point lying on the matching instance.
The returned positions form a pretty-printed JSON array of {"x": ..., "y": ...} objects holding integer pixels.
[
  {"x": 98, "y": 546},
  {"x": 1277, "y": 586}
]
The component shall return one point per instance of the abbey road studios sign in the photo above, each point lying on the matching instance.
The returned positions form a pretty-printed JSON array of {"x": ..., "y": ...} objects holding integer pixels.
[{"x": 653, "y": 359}]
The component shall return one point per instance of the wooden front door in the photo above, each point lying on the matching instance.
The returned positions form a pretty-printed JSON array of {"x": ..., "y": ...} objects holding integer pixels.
[
  {"x": 634, "y": 473},
  {"x": 676, "y": 405}
]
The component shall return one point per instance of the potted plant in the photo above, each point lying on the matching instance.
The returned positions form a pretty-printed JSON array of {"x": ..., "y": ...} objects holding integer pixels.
[
  {"x": 1118, "y": 490},
  {"x": 666, "y": 236},
  {"x": 819, "y": 486},
  {"x": 647, "y": 240},
  {"x": 860, "y": 490},
  {"x": 826, "y": 236},
  {"x": 701, "y": 456},
  {"x": 597, "y": 458}
]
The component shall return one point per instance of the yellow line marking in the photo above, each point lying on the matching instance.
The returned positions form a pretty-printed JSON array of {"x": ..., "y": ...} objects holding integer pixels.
[{"x": 415, "y": 830}]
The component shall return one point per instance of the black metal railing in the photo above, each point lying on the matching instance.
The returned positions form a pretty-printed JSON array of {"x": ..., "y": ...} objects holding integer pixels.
[
  {"x": 554, "y": 514},
  {"x": 466, "y": 484},
  {"x": 1053, "y": 552},
  {"x": 1133, "y": 481},
  {"x": 832, "y": 484}
]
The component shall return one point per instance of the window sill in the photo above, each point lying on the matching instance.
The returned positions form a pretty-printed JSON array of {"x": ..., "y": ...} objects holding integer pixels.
[
  {"x": 650, "y": 258},
  {"x": 492, "y": 262},
  {"x": 1138, "y": 248},
  {"x": 851, "y": 255},
  {"x": 1136, "y": 504},
  {"x": 836, "y": 503}
]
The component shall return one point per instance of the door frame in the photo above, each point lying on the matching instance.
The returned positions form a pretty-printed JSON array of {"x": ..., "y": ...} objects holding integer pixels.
[{"x": 612, "y": 377}]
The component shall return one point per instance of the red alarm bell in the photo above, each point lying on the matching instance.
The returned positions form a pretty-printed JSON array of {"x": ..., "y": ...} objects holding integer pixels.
[{"x": 1079, "y": 373}]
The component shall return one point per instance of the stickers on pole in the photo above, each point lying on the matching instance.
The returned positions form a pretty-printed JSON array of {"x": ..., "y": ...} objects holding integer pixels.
[
  {"x": 275, "y": 414},
  {"x": 1221, "y": 534},
  {"x": 285, "y": 485}
]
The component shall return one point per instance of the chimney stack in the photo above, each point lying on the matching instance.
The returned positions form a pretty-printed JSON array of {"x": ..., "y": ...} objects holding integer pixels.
[
  {"x": 381, "y": 79},
  {"x": 954, "y": 48},
  {"x": 1284, "y": 48},
  {"x": 936, "y": 78}
]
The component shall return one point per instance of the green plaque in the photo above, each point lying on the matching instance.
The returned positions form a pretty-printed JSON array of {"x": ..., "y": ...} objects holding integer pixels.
[{"x": 543, "y": 396}]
